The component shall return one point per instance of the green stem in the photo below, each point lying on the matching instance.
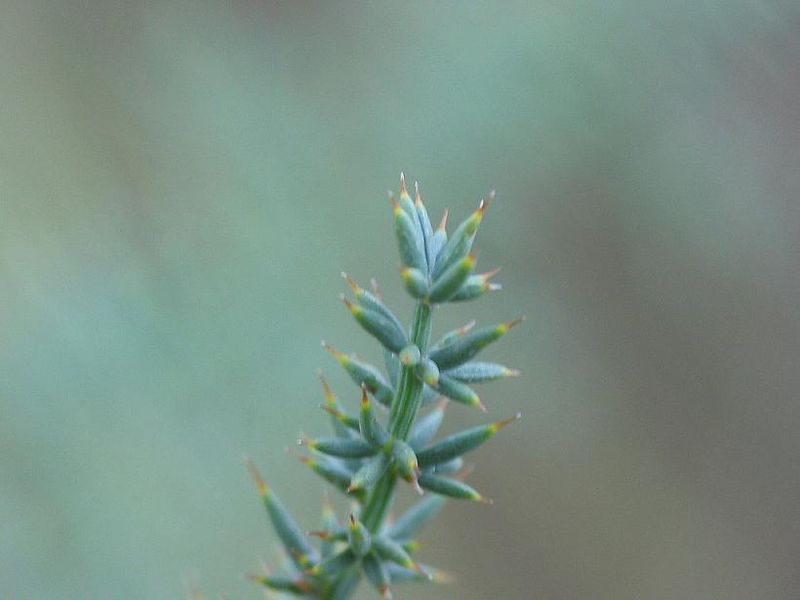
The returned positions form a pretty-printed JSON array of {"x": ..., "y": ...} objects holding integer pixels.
[{"x": 401, "y": 419}]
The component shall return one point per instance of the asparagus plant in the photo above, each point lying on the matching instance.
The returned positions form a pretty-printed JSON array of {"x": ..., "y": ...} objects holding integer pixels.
[{"x": 392, "y": 437}]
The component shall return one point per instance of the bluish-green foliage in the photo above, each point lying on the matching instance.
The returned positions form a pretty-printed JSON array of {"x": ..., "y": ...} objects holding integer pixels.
[{"x": 371, "y": 451}]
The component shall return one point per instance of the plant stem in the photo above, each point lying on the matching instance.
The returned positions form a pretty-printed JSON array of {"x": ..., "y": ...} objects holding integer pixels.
[{"x": 403, "y": 413}]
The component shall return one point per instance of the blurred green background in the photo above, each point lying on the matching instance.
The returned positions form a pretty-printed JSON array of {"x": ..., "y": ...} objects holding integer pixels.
[{"x": 182, "y": 182}]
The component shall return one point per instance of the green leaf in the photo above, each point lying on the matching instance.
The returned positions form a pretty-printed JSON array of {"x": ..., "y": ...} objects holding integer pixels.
[
  {"x": 367, "y": 475},
  {"x": 415, "y": 281},
  {"x": 409, "y": 239},
  {"x": 341, "y": 448},
  {"x": 447, "y": 468},
  {"x": 298, "y": 586},
  {"x": 452, "y": 336},
  {"x": 460, "y": 443},
  {"x": 461, "y": 393},
  {"x": 437, "y": 240},
  {"x": 450, "y": 282},
  {"x": 372, "y": 301},
  {"x": 364, "y": 373},
  {"x": 426, "y": 428},
  {"x": 406, "y": 462},
  {"x": 425, "y": 224},
  {"x": 378, "y": 575},
  {"x": 358, "y": 537},
  {"x": 334, "y": 566},
  {"x": 429, "y": 395},
  {"x": 426, "y": 574},
  {"x": 378, "y": 326},
  {"x": 407, "y": 526},
  {"x": 428, "y": 372},
  {"x": 371, "y": 429},
  {"x": 451, "y": 488},
  {"x": 463, "y": 348},
  {"x": 343, "y": 423},
  {"x": 476, "y": 286},
  {"x": 332, "y": 471},
  {"x": 329, "y": 523},
  {"x": 460, "y": 243},
  {"x": 390, "y": 550},
  {"x": 480, "y": 372},
  {"x": 294, "y": 540},
  {"x": 382, "y": 329},
  {"x": 392, "y": 363}
]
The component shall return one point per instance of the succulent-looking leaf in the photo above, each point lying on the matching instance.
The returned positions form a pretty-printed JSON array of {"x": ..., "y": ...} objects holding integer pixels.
[
  {"x": 460, "y": 443},
  {"x": 476, "y": 286},
  {"x": 427, "y": 427},
  {"x": 298, "y": 586},
  {"x": 346, "y": 421},
  {"x": 334, "y": 565},
  {"x": 289, "y": 532},
  {"x": 329, "y": 523},
  {"x": 367, "y": 475},
  {"x": 459, "y": 392},
  {"x": 428, "y": 372},
  {"x": 451, "y": 488},
  {"x": 452, "y": 336},
  {"x": 460, "y": 243},
  {"x": 464, "y": 348},
  {"x": 392, "y": 364},
  {"x": 371, "y": 429},
  {"x": 409, "y": 239},
  {"x": 363, "y": 372},
  {"x": 346, "y": 585},
  {"x": 415, "y": 281},
  {"x": 358, "y": 538},
  {"x": 382, "y": 329},
  {"x": 437, "y": 240},
  {"x": 406, "y": 462},
  {"x": 330, "y": 470},
  {"x": 337, "y": 534},
  {"x": 406, "y": 202},
  {"x": 450, "y": 282},
  {"x": 390, "y": 550},
  {"x": 371, "y": 301},
  {"x": 341, "y": 420},
  {"x": 447, "y": 468},
  {"x": 341, "y": 448},
  {"x": 407, "y": 526},
  {"x": 480, "y": 372},
  {"x": 429, "y": 395},
  {"x": 400, "y": 575},
  {"x": 378, "y": 575},
  {"x": 424, "y": 222}
]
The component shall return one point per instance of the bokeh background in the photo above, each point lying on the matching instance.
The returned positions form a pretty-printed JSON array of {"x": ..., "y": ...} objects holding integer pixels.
[{"x": 182, "y": 182}]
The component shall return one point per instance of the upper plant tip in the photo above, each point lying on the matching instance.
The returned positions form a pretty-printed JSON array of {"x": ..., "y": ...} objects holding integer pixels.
[{"x": 403, "y": 188}]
